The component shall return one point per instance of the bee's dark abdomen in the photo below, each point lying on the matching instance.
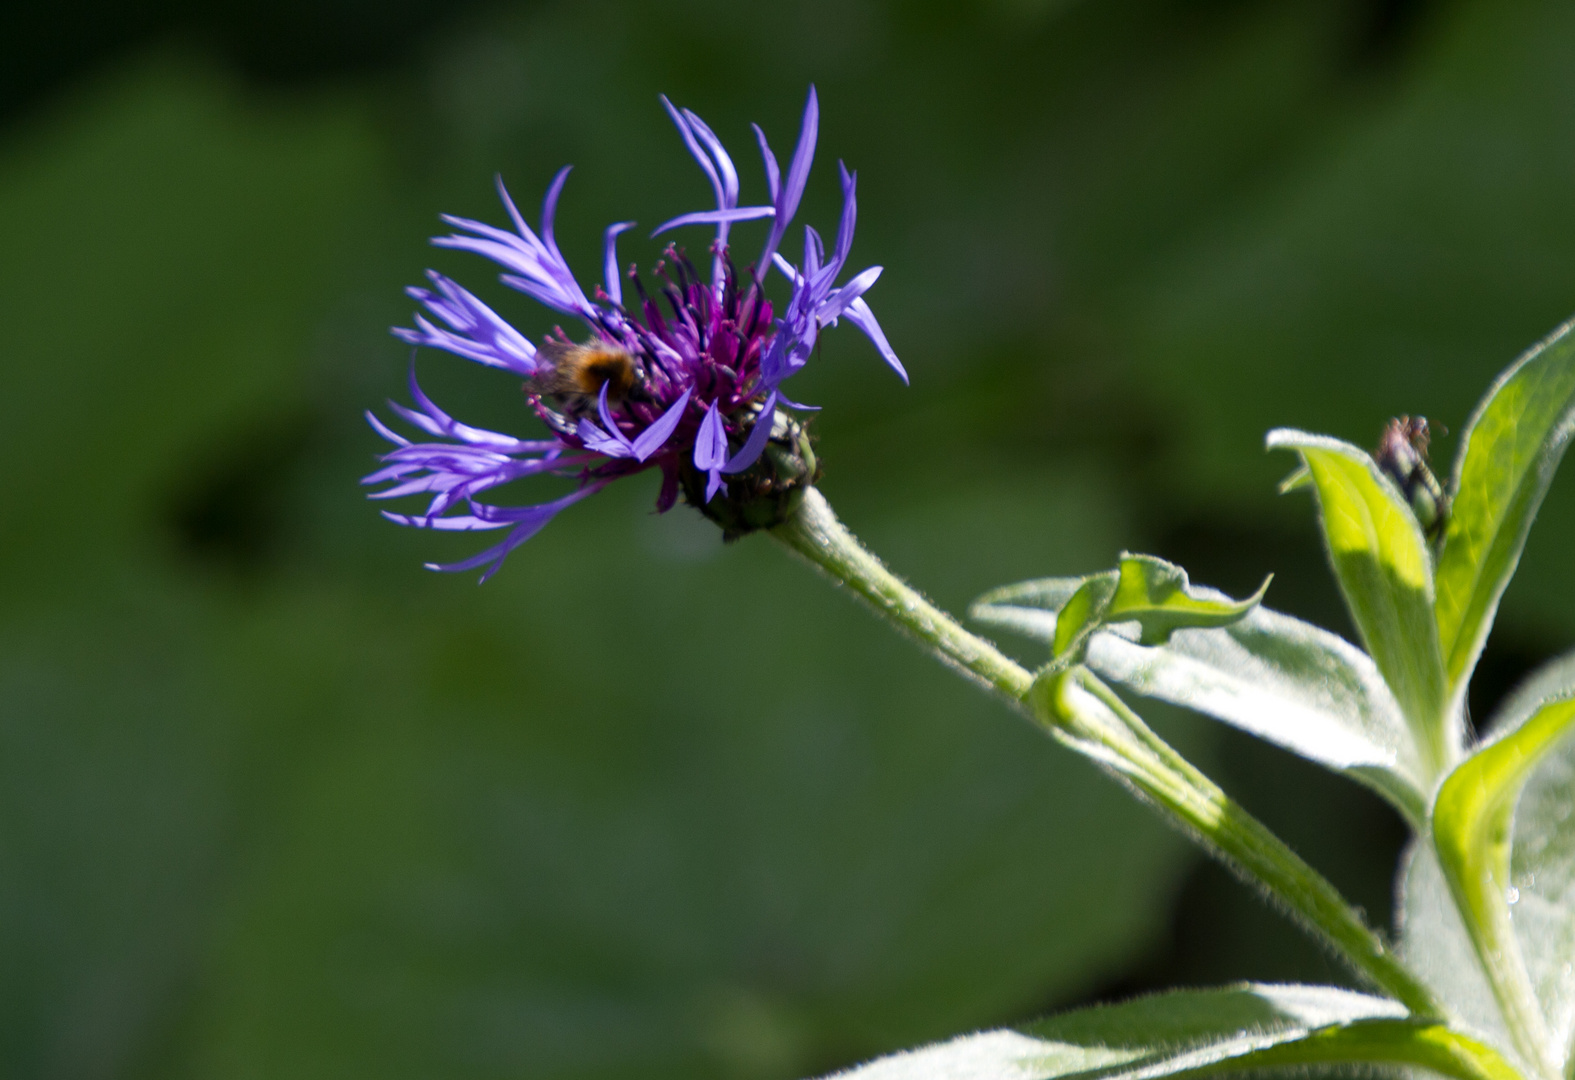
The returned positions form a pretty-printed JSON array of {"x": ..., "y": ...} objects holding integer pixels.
[{"x": 614, "y": 370}]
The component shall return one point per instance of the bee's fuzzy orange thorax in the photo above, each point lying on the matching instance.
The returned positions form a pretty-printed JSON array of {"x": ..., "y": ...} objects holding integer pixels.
[{"x": 612, "y": 368}]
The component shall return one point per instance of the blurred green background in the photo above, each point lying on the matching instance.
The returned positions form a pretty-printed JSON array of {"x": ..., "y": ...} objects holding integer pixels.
[{"x": 276, "y": 802}]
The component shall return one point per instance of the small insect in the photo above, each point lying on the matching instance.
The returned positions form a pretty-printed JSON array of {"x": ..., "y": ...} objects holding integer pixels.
[
  {"x": 577, "y": 372},
  {"x": 1402, "y": 453}
]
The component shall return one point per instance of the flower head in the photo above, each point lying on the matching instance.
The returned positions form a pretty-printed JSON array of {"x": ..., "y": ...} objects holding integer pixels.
[{"x": 688, "y": 381}]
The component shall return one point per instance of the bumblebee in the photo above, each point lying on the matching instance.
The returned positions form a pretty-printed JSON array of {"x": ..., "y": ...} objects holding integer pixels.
[{"x": 574, "y": 373}]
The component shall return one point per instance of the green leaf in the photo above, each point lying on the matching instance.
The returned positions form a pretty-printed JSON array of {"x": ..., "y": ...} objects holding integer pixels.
[
  {"x": 1542, "y": 855},
  {"x": 1472, "y": 833},
  {"x": 1509, "y": 451},
  {"x": 1434, "y": 1047},
  {"x": 1083, "y": 614},
  {"x": 1197, "y": 1033},
  {"x": 1542, "y": 897},
  {"x": 1150, "y": 592},
  {"x": 1434, "y": 943},
  {"x": 1386, "y": 574},
  {"x": 1273, "y": 676},
  {"x": 1289, "y": 683},
  {"x": 1158, "y": 596}
]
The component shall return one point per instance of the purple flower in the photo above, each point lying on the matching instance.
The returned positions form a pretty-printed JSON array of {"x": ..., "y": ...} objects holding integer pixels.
[{"x": 692, "y": 388}]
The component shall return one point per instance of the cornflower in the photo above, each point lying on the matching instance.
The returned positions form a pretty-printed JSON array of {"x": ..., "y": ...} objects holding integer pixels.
[{"x": 694, "y": 390}]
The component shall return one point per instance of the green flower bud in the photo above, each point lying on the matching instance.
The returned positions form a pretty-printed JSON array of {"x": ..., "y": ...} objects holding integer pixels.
[{"x": 766, "y": 493}]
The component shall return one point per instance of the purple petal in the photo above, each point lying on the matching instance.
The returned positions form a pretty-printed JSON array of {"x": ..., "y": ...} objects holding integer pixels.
[
  {"x": 727, "y": 196},
  {"x": 833, "y": 306},
  {"x": 527, "y": 522},
  {"x": 459, "y": 471},
  {"x": 462, "y": 523},
  {"x": 860, "y": 315},
  {"x": 803, "y": 156},
  {"x": 716, "y": 217},
  {"x": 482, "y": 334},
  {"x": 444, "y": 426},
  {"x": 550, "y": 283},
  {"x": 711, "y": 441},
  {"x": 431, "y": 336},
  {"x": 490, "y": 232},
  {"x": 526, "y": 256},
  {"x": 652, "y": 438},
  {"x": 515, "y": 515},
  {"x": 755, "y": 445},
  {"x": 550, "y": 295},
  {"x": 611, "y": 442},
  {"x": 613, "y": 279},
  {"x": 724, "y": 181},
  {"x": 598, "y": 440},
  {"x": 392, "y": 472},
  {"x": 792, "y": 188},
  {"x": 814, "y": 253},
  {"x": 773, "y": 174},
  {"x": 549, "y": 210},
  {"x": 790, "y": 403},
  {"x": 713, "y": 484},
  {"x": 606, "y": 415},
  {"x": 441, "y": 423},
  {"x": 510, "y": 251},
  {"x": 850, "y": 211},
  {"x": 540, "y": 264},
  {"x": 430, "y": 482},
  {"x": 514, "y": 216},
  {"x": 682, "y": 124},
  {"x": 383, "y": 430}
]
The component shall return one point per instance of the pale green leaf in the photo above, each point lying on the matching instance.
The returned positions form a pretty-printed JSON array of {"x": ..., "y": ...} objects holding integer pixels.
[
  {"x": 1288, "y": 683},
  {"x": 1509, "y": 451},
  {"x": 1542, "y": 858},
  {"x": 1542, "y": 883},
  {"x": 1385, "y": 571},
  {"x": 1086, "y": 715},
  {"x": 1434, "y": 943},
  {"x": 1472, "y": 833},
  {"x": 1028, "y": 608},
  {"x": 1199, "y": 1033},
  {"x": 1276, "y": 677}
]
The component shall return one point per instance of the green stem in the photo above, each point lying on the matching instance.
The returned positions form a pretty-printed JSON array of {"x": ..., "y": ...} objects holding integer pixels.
[
  {"x": 1092, "y": 720},
  {"x": 815, "y": 533},
  {"x": 1172, "y": 782}
]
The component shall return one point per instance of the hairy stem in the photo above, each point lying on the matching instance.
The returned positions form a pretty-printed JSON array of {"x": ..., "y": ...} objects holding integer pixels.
[
  {"x": 814, "y": 532},
  {"x": 1090, "y": 719},
  {"x": 1174, "y": 784}
]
